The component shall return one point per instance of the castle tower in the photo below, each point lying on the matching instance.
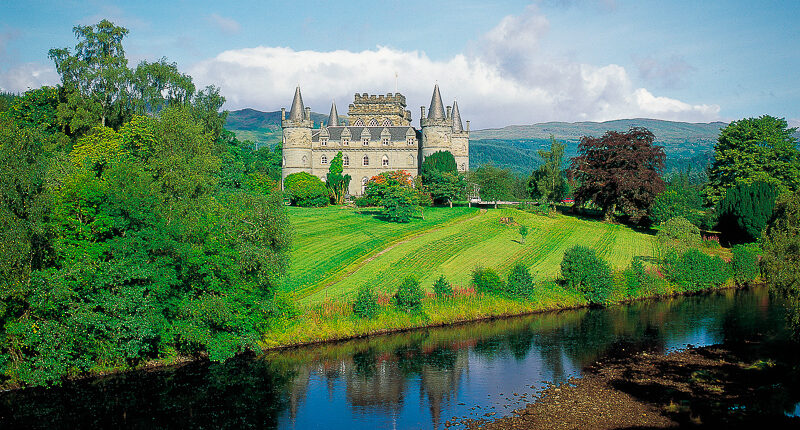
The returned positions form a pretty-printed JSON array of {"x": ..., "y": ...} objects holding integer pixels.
[
  {"x": 333, "y": 118},
  {"x": 437, "y": 128},
  {"x": 459, "y": 142},
  {"x": 296, "y": 137}
]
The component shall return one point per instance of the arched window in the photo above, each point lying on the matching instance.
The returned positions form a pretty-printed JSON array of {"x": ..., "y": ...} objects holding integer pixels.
[
  {"x": 283, "y": 162},
  {"x": 411, "y": 160},
  {"x": 385, "y": 161},
  {"x": 305, "y": 161},
  {"x": 358, "y": 123},
  {"x": 365, "y": 162},
  {"x": 324, "y": 159},
  {"x": 387, "y": 123},
  {"x": 373, "y": 123},
  {"x": 345, "y": 160},
  {"x": 364, "y": 181}
]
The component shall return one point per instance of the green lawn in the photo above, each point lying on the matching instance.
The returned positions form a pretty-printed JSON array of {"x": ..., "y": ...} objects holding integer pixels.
[{"x": 337, "y": 250}]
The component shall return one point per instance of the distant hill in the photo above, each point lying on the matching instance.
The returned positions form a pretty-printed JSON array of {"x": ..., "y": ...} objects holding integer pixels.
[{"x": 514, "y": 147}]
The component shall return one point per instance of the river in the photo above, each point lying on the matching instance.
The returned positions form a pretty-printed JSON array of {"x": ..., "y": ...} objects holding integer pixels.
[{"x": 417, "y": 379}]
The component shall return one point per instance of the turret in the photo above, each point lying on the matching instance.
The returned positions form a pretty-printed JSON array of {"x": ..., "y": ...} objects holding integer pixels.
[
  {"x": 437, "y": 127},
  {"x": 460, "y": 141},
  {"x": 296, "y": 137},
  {"x": 333, "y": 118}
]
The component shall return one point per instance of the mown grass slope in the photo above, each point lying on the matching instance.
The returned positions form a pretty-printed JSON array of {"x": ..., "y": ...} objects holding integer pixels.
[{"x": 338, "y": 250}]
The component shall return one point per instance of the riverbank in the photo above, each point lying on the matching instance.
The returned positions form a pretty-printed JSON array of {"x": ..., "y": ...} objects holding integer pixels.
[{"x": 744, "y": 385}]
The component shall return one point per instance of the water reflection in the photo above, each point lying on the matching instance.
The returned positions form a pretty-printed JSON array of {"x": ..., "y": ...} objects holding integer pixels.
[{"x": 409, "y": 380}]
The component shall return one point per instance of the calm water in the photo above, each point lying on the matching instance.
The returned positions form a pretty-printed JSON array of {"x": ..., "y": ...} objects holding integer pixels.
[{"x": 418, "y": 379}]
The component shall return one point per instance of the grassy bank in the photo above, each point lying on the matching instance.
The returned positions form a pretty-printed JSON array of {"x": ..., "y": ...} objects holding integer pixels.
[{"x": 338, "y": 250}]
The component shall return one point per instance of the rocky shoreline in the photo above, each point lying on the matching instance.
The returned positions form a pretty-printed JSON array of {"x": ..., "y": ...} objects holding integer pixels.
[{"x": 745, "y": 386}]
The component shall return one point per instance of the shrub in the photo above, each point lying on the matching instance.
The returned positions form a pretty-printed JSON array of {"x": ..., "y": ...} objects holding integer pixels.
[
  {"x": 442, "y": 287},
  {"x": 306, "y": 190},
  {"x": 587, "y": 273},
  {"x": 487, "y": 281},
  {"x": 523, "y": 232},
  {"x": 677, "y": 234},
  {"x": 400, "y": 203},
  {"x": 520, "y": 282},
  {"x": 366, "y": 304},
  {"x": 409, "y": 295},
  {"x": 694, "y": 270},
  {"x": 745, "y": 263}
]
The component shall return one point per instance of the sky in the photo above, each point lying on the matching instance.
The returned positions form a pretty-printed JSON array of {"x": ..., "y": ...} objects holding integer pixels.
[{"x": 505, "y": 62}]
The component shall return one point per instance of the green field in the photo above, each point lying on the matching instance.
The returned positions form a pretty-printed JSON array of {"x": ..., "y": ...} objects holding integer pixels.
[{"x": 337, "y": 250}]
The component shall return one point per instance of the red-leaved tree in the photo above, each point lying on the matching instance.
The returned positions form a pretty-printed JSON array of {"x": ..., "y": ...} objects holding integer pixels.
[{"x": 619, "y": 171}]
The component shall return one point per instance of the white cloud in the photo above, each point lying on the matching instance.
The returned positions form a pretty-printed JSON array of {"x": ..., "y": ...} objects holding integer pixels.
[
  {"x": 488, "y": 94},
  {"x": 226, "y": 25},
  {"x": 26, "y": 76}
]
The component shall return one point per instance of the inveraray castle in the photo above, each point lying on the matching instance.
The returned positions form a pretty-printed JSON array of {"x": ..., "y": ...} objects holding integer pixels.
[{"x": 378, "y": 137}]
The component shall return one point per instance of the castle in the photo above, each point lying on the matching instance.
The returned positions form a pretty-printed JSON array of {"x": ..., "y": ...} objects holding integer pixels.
[{"x": 378, "y": 138}]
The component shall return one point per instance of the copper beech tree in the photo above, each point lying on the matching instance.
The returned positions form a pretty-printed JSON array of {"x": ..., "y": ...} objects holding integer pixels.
[{"x": 619, "y": 171}]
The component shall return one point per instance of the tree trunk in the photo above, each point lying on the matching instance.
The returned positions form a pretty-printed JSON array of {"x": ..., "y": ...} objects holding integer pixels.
[{"x": 451, "y": 203}]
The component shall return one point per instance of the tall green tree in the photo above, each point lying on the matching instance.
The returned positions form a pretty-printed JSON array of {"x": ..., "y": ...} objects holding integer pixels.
[
  {"x": 754, "y": 150},
  {"x": 781, "y": 259},
  {"x": 745, "y": 211},
  {"x": 549, "y": 181},
  {"x": 494, "y": 183},
  {"x": 440, "y": 178},
  {"x": 336, "y": 182},
  {"x": 619, "y": 171}
]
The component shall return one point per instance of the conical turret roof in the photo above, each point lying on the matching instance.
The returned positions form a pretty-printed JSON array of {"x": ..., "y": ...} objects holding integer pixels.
[
  {"x": 298, "y": 110},
  {"x": 333, "y": 118},
  {"x": 437, "y": 108},
  {"x": 457, "y": 126}
]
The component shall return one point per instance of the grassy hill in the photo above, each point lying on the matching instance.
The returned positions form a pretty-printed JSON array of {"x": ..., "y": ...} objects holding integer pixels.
[
  {"x": 261, "y": 128},
  {"x": 337, "y": 250}
]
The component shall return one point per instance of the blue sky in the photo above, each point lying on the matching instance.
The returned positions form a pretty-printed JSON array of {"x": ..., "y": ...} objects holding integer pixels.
[{"x": 506, "y": 62}]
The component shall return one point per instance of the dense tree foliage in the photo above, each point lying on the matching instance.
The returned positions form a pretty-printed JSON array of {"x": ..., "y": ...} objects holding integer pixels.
[
  {"x": 394, "y": 190},
  {"x": 745, "y": 210},
  {"x": 681, "y": 198},
  {"x": 754, "y": 150},
  {"x": 306, "y": 190},
  {"x": 336, "y": 182},
  {"x": 130, "y": 243},
  {"x": 619, "y": 171},
  {"x": 549, "y": 182},
  {"x": 441, "y": 179},
  {"x": 494, "y": 184},
  {"x": 780, "y": 263}
]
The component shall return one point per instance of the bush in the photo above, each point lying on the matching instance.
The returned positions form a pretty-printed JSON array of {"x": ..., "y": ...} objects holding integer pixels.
[
  {"x": 400, "y": 203},
  {"x": 694, "y": 270},
  {"x": 409, "y": 295},
  {"x": 587, "y": 273},
  {"x": 366, "y": 304},
  {"x": 306, "y": 190},
  {"x": 442, "y": 287},
  {"x": 487, "y": 281},
  {"x": 520, "y": 282},
  {"x": 677, "y": 234},
  {"x": 745, "y": 263}
]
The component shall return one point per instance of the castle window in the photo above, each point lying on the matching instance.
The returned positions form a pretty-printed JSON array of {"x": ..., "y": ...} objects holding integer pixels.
[
  {"x": 385, "y": 141},
  {"x": 411, "y": 160},
  {"x": 365, "y": 161},
  {"x": 358, "y": 123},
  {"x": 323, "y": 141},
  {"x": 385, "y": 161},
  {"x": 346, "y": 141},
  {"x": 463, "y": 167},
  {"x": 365, "y": 141},
  {"x": 364, "y": 181},
  {"x": 410, "y": 140},
  {"x": 387, "y": 123},
  {"x": 373, "y": 123},
  {"x": 345, "y": 160},
  {"x": 324, "y": 159}
]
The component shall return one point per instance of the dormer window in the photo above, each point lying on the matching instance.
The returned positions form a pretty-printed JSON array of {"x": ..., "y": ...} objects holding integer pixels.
[
  {"x": 345, "y": 141},
  {"x": 324, "y": 159},
  {"x": 385, "y": 141},
  {"x": 373, "y": 123},
  {"x": 365, "y": 141},
  {"x": 358, "y": 123},
  {"x": 410, "y": 140},
  {"x": 323, "y": 141},
  {"x": 387, "y": 123}
]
